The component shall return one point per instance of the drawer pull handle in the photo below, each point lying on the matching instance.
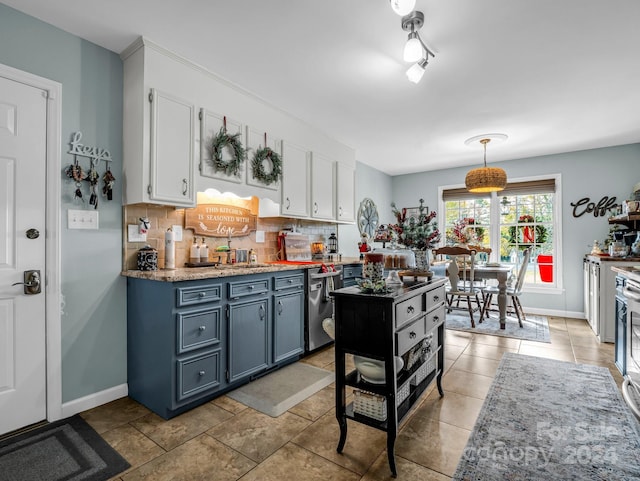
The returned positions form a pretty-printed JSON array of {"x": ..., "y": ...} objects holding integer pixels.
[
  {"x": 412, "y": 335},
  {"x": 202, "y": 328},
  {"x": 201, "y": 373},
  {"x": 290, "y": 281},
  {"x": 201, "y": 295},
  {"x": 410, "y": 309},
  {"x": 280, "y": 307},
  {"x": 262, "y": 312},
  {"x": 251, "y": 287}
]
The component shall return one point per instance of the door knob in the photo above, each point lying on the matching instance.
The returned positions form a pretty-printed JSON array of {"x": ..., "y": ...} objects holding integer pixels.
[{"x": 31, "y": 282}]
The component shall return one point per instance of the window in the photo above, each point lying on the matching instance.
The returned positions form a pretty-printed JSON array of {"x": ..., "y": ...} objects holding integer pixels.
[{"x": 522, "y": 216}]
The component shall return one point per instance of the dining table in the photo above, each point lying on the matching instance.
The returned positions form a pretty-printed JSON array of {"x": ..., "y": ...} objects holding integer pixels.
[{"x": 501, "y": 274}]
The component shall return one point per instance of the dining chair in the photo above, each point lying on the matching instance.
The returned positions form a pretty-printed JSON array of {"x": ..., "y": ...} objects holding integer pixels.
[
  {"x": 513, "y": 292},
  {"x": 460, "y": 272}
]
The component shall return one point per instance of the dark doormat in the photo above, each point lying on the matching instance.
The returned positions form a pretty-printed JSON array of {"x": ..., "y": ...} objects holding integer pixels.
[{"x": 68, "y": 450}]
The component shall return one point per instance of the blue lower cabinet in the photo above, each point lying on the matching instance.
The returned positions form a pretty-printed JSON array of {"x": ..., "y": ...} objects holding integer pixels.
[
  {"x": 190, "y": 341},
  {"x": 288, "y": 326},
  {"x": 248, "y": 338}
]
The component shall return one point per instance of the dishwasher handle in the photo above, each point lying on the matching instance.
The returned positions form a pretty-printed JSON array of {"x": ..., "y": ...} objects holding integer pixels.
[{"x": 324, "y": 275}]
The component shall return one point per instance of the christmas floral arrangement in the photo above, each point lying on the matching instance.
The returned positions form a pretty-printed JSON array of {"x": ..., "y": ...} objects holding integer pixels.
[
  {"x": 418, "y": 231},
  {"x": 527, "y": 234},
  {"x": 464, "y": 231}
]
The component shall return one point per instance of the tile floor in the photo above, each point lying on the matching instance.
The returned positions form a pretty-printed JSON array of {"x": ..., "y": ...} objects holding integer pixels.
[{"x": 225, "y": 440}]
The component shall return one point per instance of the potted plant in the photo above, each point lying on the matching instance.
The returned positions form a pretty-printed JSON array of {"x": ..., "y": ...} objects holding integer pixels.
[{"x": 416, "y": 230}]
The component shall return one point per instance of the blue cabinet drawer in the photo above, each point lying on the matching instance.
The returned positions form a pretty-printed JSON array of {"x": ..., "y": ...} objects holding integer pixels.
[
  {"x": 248, "y": 288},
  {"x": 198, "y": 329},
  {"x": 288, "y": 282},
  {"x": 198, "y": 374},
  {"x": 188, "y": 296},
  {"x": 349, "y": 272}
]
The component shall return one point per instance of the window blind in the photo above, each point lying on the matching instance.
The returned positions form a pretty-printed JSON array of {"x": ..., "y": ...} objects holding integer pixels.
[{"x": 543, "y": 186}]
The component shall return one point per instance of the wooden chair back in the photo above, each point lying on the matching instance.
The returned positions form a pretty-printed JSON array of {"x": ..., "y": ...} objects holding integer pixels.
[
  {"x": 460, "y": 268},
  {"x": 526, "y": 254}
]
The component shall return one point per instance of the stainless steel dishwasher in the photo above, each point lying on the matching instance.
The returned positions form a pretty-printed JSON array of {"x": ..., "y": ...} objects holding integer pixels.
[{"x": 319, "y": 306}]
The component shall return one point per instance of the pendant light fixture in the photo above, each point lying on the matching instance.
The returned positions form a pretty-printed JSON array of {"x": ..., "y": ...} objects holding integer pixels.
[{"x": 486, "y": 179}]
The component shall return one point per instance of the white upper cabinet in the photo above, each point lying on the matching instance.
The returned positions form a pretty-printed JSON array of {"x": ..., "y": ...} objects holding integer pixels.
[
  {"x": 171, "y": 153},
  {"x": 322, "y": 187},
  {"x": 295, "y": 180},
  {"x": 345, "y": 193},
  {"x": 158, "y": 138}
]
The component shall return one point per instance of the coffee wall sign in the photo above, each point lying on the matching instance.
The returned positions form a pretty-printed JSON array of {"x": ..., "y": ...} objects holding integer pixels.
[
  {"x": 220, "y": 220},
  {"x": 598, "y": 209}
]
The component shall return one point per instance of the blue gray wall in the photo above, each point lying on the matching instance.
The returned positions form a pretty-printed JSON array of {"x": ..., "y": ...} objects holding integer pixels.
[
  {"x": 94, "y": 308},
  {"x": 376, "y": 186},
  {"x": 611, "y": 171}
]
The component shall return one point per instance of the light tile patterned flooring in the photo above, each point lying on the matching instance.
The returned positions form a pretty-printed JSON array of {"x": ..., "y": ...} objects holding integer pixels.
[{"x": 227, "y": 441}]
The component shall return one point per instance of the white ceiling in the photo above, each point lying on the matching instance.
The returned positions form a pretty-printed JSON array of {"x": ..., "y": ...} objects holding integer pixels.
[{"x": 554, "y": 75}]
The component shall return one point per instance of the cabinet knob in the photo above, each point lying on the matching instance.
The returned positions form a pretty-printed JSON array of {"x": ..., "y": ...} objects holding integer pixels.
[
  {"x": 251, "y": 287},
  {"x": 412, "y": 335},
  {"x": 201, "y": 295},
  {"x": 290, "y": 281},
  {"x": 436, "y": 298},
  {"x": 202, "y": 328},
  {"x": 436, "y": 318},
  {"x": 410, "y": 309},
  {"x": 201, "y": 373}
]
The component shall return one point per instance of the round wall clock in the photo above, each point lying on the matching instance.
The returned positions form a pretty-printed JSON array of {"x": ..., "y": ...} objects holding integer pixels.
[{"x": 367, "y": 217}]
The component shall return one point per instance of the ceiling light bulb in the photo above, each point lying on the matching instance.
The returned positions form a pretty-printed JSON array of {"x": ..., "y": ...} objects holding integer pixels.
[
  {"x": 402, "y": 7},
  {"x": 412, "y": 49},
  {"x": 416, "y": 71}
]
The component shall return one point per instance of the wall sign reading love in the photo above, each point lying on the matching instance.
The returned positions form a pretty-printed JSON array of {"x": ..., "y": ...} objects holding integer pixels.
[
  {"x": 219, "y": 220},
  {"x": 599, "y": 209}
]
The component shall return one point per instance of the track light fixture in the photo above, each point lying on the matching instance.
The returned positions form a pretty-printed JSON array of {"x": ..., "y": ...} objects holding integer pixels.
[
  {"x": 402, "y": 7},
  {"x": 415, "y": 50}
]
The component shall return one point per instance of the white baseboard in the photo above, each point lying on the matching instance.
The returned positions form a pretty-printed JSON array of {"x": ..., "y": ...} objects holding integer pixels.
[
  {"x": 93, "y": 400},
  {"x": 554, "y": 313}
]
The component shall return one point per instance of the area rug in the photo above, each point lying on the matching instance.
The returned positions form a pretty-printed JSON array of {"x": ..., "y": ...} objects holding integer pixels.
[
  {"x": 279, "y": 391},
  {"x": 544, "y": 419},
  {"x": 68, "y": 450},
  {"x": 534, "y": 328}
]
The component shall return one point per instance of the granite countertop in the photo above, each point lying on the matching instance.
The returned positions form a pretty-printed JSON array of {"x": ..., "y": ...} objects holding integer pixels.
[
  {"x": 632, "y": 272},
  {"x": 225, "y": 270},
  {"x": 605, "y": 258}
]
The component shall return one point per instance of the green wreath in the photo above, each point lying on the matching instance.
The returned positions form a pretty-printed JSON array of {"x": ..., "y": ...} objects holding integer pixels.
[
  {"x": 257, "y": 164},
  {"x": 219, "y": 142},
  {"x": 540, "y": 232}
]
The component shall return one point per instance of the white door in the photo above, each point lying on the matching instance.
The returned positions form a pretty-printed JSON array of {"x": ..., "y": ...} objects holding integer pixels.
[{"x": 23, "y": 123}]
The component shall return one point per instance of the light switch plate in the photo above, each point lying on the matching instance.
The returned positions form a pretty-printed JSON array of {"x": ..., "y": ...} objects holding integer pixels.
[
  {"x": 177, "y": 232},
  {"x": 260, "y": 236},
  {"x": 82, "y": 219},
  {"x": 134, "y": 235}
]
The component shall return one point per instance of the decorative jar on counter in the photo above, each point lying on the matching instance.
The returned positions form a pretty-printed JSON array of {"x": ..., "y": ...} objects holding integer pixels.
[{"x": 147, "y": 259}]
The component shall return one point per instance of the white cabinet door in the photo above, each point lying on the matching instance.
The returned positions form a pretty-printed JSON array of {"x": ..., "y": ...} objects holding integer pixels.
[
  {"x": 295, "y": 181},
  {"x": 346, "y": 195},
  {"x": 172, "y": 150},
  {"x": 322, "y": 187}
]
